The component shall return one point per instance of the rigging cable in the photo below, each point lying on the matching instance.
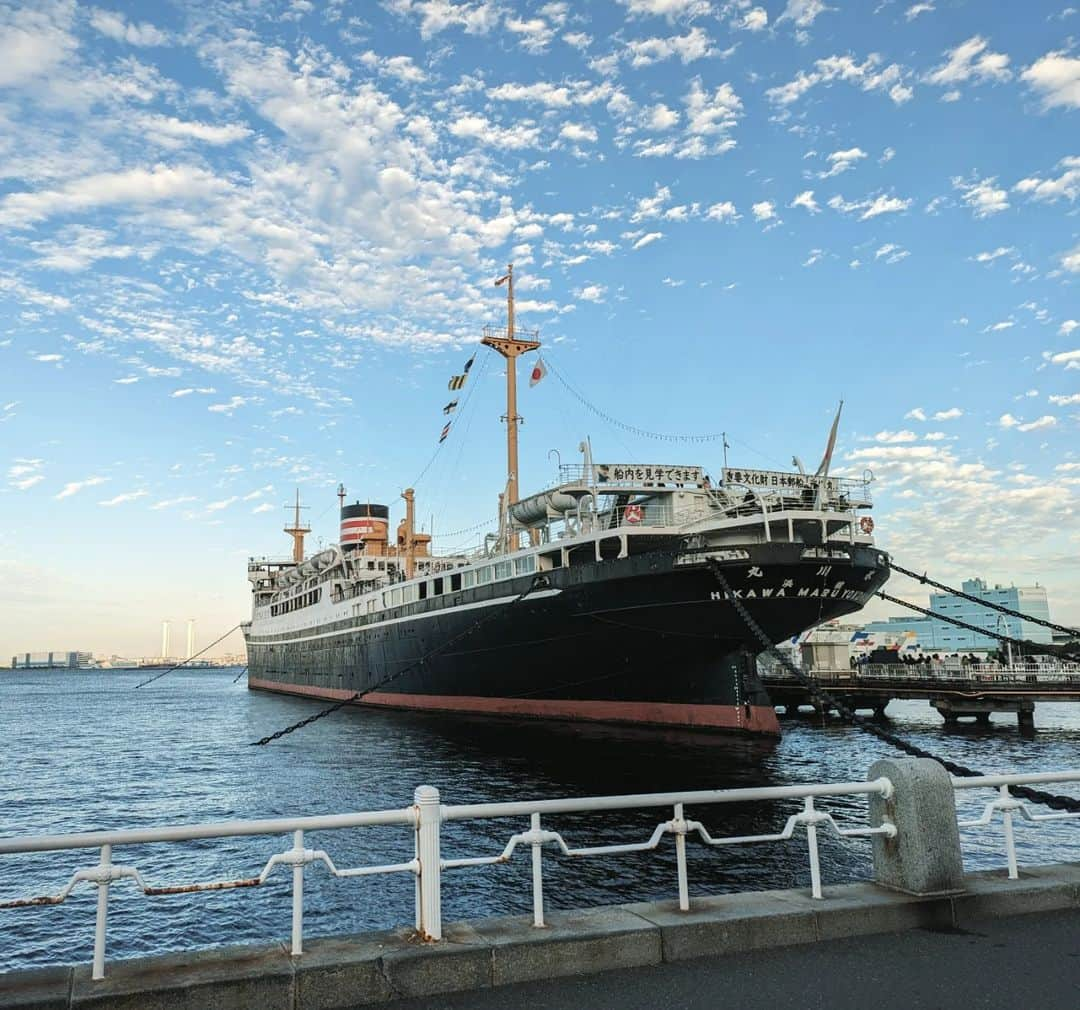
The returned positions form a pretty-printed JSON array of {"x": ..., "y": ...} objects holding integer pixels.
[
  {"x": 158, "y": 676},
  {"x": 926, "y": 580},
  {"x": 538, "y": 582},
  {"x": 633, "y": 429},
  {"x": 1055, "y": 802},
  {"x": 1023, "y": 643}
]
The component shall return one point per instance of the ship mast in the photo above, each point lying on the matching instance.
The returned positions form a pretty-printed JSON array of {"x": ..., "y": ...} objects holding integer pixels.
[
  {"x": 297, "y": 531},
  {"x": 511, "y": 347}
]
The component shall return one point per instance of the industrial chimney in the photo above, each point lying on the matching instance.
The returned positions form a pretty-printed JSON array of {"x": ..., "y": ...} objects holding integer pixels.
[
  {"x": 164, "y": 639},
  {"x": 190, "y": 638}
]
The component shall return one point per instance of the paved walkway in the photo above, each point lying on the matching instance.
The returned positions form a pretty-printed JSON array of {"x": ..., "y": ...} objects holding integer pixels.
[{"x": 1019, "y": 961}]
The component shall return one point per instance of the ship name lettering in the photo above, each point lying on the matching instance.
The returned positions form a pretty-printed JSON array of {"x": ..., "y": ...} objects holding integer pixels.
[
  {"x": 717, "y": 595},
  {"x": 804, "y": 591}
]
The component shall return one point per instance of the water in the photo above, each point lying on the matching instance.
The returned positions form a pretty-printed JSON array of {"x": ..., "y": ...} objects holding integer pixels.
[{"x": 84, "y": 751}]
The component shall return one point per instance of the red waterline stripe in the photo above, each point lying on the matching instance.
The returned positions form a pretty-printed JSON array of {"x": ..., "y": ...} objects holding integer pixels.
[{"x": 761, "y": 718}]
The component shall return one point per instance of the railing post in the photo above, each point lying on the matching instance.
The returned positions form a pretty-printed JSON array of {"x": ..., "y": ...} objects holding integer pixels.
[
  {"x": 680, "y": 858},
  {"x": 298, "y": 894},
  {"x": 811, "y": 844},
  {"x": 537, "y": 873},
  {"x": 1010, "y": 841},
  {"x": 104, "y": 870},
  {"x": 428, "y": 824}
]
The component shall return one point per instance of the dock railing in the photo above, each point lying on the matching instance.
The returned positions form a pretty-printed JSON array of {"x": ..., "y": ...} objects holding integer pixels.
[{"x": 425, "y": 817}]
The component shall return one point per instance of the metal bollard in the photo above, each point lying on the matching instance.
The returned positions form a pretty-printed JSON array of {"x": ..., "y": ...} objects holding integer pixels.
[{"x": 428, "y": 823}]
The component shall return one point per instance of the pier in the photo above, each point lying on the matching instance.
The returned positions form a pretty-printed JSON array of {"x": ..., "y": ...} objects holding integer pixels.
[
  {"x": 918, "y": 883},
  {"x": 956, "y": 691}
]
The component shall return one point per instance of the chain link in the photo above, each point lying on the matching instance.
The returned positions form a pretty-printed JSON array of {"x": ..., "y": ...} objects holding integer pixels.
[
  {"x": 848, "y": 715},
  {"x": 926, "y": 580}
]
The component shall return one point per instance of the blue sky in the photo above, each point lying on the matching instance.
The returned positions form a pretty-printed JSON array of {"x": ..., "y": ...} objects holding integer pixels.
[{"x": 244, "y": 245}]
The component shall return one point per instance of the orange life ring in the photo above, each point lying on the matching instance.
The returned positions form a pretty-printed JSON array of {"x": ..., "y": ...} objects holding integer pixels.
[
  {"x": 633, "y": 514},
  {"x": 866, "y": 524}
]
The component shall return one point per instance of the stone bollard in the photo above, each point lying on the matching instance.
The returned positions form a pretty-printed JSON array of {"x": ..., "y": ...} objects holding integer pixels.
[{"x": 924, "y": 858}]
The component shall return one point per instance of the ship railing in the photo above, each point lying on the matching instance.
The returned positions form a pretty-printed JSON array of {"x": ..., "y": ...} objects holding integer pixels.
[
  {"x": 424, "y": 821},
  {"x": 976, "y": 674}
]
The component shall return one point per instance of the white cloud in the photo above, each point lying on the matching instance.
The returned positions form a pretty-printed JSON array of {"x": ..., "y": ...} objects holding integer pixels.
[
  {"x": 814, "y": 257},
  {"x": 871, "y": 207},
  {"x": 1065, "y": 401},
  {"x": 170, "y": 502},
  {"x": 724, "y": 211},
  {"x": 896, "y": 436},
  {"x": 989, "y": 257},
  {"x": 865, "y": 75},
  {"x": 694, "y": 45},
  {"x": 1067, "y": 327},
  {"x": 841, "y": 161},
  {"x": 764, "y": 211},
  {"x": 217, "y": 506},
  {"x": 591, "y": 293},
  {"x": 916, "y": 9},
  {"x": 121, "y": 498},
  {"x": 648, "y": 239},
  {"x": 1071, "y": 261},
  {"x": 915, "y": 414},
  {"x": 477, "y": 17},
  {"x": 264, "y": 507},
  {"x": 803, "y": 12},
  {"x": 754, "y": 20},
  {"x": 1056, "y": 77},
  {"x": 948, "y": 415},
  {"x": 982, "y": 196},
  {"x": 670, "y": 9},
  {"x": 78, "y": 485},
  {"x": 578, "y": 133},
  {"x": 971, "y": 60},
  {"x": 806, "y": 201},
  {"x": 891, "y": 253},
  {"x": 114, "y": 26},
  {"x": 1066, "y": 186}
]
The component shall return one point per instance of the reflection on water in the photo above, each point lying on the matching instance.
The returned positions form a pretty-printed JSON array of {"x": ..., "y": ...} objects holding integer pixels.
[{"x": 82, "y": 751}]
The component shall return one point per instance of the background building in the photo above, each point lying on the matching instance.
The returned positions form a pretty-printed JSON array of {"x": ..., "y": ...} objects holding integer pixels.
[
  {"x": 934, "y": 635},
  {"x": 52, "y": 661}
]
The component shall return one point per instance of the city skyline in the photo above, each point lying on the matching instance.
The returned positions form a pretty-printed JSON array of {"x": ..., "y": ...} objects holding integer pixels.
[{"x": 243, "y": 251}]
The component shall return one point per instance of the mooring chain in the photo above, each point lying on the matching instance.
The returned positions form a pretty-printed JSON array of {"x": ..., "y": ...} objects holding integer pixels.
[
  {"x": 150, "y": 680},
  {"x": 1023, "y": 643},
  {"x": 927, "y": 581},
  {"x": 848, "y": 715},
  {"x": 538, "y": 582},
  {"x": 240, "y": 674}
]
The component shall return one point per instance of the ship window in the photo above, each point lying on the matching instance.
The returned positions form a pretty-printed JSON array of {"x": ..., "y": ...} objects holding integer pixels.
[
  {"x": 395, "y": 597},
  {"x": 371, "y": 566},
  {"x": 502, "y": 570},
  {"x": 522, "y": 566},
  {"x": 469, "y": 579},
  {"x": 412, "y": 593},
  {"x": 423, "y": 590},
  {"x": 455, "y": 583},
  {"x": 483, "y": 575},
  {"x": 436, "y": 587}
]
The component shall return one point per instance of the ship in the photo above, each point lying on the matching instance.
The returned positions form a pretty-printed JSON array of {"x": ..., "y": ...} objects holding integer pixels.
[{"x": 619, "y": 593}]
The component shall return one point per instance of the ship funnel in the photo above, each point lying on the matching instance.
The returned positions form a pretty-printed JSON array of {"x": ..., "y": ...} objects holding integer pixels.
[{"x": 364, "y": 527}]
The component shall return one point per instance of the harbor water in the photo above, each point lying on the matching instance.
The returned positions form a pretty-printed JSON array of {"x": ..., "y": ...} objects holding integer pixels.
[{"x": 86, "y": 751}]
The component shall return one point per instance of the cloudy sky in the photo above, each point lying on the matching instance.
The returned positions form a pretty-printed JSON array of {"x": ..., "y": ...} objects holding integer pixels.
[{"x": 243, "y": 246}]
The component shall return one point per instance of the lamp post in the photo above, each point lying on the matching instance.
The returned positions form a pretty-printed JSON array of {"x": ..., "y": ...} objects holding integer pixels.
[{"x": 1004, "y": 626}]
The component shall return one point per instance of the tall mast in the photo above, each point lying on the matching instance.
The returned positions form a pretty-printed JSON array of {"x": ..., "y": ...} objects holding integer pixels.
[
  {"x": 297, "y": 531},
  {"x": 511, "y": 347}
]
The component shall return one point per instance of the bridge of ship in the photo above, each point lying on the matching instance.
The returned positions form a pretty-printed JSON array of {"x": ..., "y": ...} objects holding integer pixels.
[{"x": 793, "y": 508}]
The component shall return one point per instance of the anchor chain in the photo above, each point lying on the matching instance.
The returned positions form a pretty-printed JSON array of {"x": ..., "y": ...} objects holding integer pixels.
[
  {"x": 538, "y": 582},
  {"x": 927, "y": 581},
  {"x": 848, "y": 715}
]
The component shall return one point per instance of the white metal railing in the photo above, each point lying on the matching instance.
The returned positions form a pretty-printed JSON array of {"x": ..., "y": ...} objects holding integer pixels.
[
  {"x": 1009, "y": 806},
  {"x": 425, "y": 818}
]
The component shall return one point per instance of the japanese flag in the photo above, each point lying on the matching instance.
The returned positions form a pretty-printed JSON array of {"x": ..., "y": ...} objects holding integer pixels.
[{"x": 538, "y": 372}]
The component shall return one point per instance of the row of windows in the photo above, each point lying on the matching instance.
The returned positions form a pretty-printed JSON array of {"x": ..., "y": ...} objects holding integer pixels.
[
  {"x": 457, "y": 581},
  {"x": 303, "y": 600}
]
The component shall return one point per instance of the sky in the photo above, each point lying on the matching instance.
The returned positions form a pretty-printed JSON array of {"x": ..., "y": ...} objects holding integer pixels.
[{"x": 244, "y": 245}]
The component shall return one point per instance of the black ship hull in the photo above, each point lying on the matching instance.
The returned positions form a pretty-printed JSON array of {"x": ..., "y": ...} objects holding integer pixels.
[{"x": 644, "y": 639}]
